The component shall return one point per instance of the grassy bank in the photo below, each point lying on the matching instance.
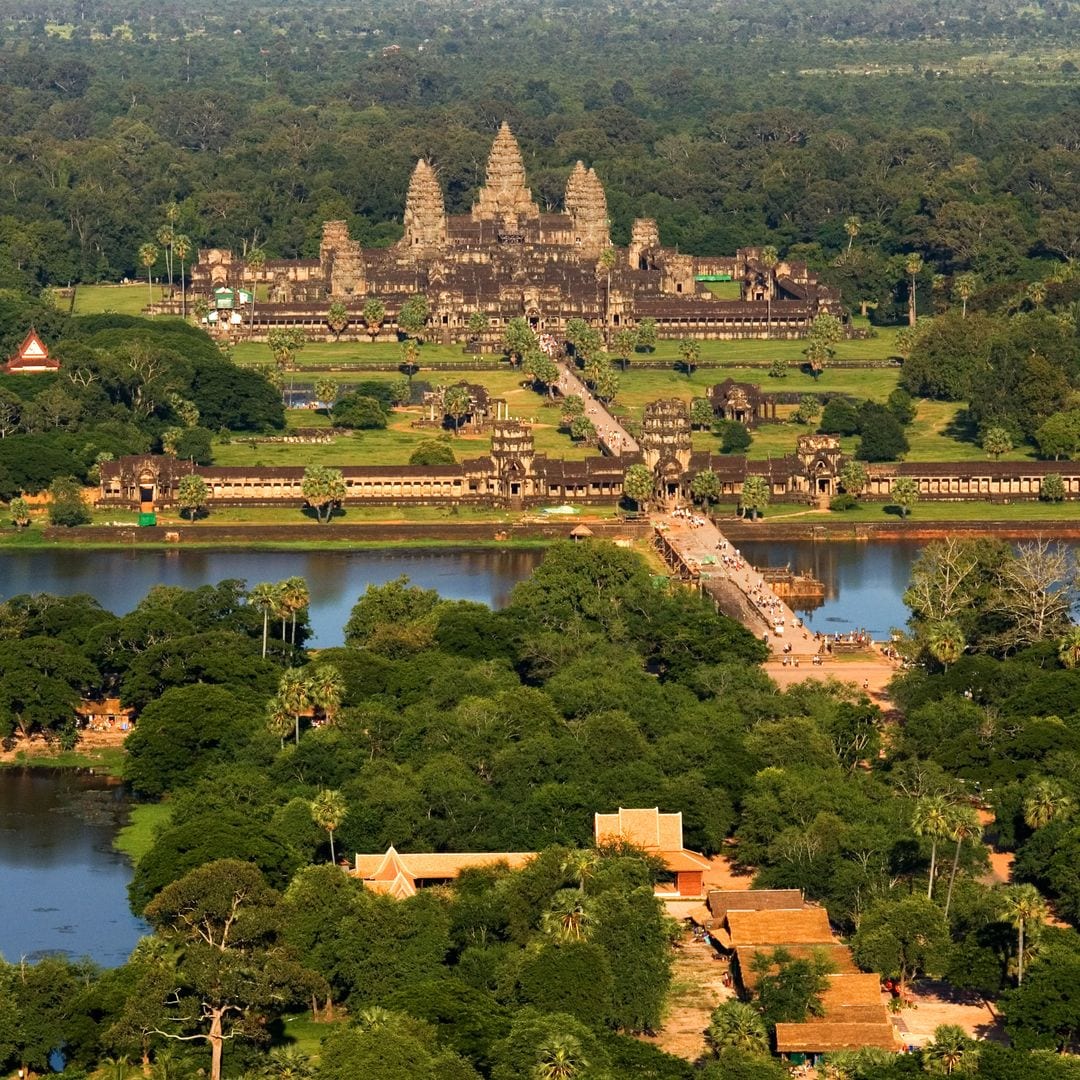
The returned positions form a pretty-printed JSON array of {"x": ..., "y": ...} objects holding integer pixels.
[
  {"x": 107, "y": 759},
  {"x": 137, "y": 837}
]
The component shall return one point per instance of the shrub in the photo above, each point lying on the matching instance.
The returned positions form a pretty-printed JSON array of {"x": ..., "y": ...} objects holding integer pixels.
[{"x": 844, "y": 501}]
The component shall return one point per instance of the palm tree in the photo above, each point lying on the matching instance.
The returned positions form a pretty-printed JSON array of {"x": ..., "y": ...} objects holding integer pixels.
[
  {"x": 949, "y": 1051},
  {"x": 734, "y": 1025},
  {"x": 569, "y": 918},
  {"x": 148, "y": 255},
  {"x": 295, "y": 696},
  {"x": 1046, "y": 802},
  {"x": 182, "y": 249},
  {"x": 1023, "y": 905},
  {"x": 256, "y": 260},
  {"x": 852, "y": 226},
  {"x": 559, "y": 1057},
  {"x": 328, "y": 810},
  {"x": 1069, "y": 648},
  {"x": 945, "y": 641},
  {"x": 913, "y": 265},
  {"x": 295, "y": 598},
  {"x": 374, "y": 1017},
  {"x": 604, "y": 265},
  {"x": 326, "y": 688},
  {"x": 963, "y": 825},
  {"x": 931, "y": 818},
  {"x": 166, "y": 235},
  {"x": 769, "y": 259},
  {"x": 278, "y": 719},
  {"x": 1036, "y": 293},
  {"x": 964, "y": 287},
  {"x": 579, "y": 865},
  {"x": 264, "y": 597}
]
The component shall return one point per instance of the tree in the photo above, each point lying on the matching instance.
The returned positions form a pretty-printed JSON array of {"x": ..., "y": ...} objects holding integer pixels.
[
  {"x": 294, "y": 693},
  {"x": 360, "y": 411},
  {"x": 457, "y": 402},
  {"x": 905, "y": 493},
  {"x": 1045, "y": 802},
  {"x": 701, "y": 413},
  {"x": 931, "y": 818},
  {"x": 569, "y": 918},
  {"x": 255, "y": 261},
  {"x": 809, "y": 409},
  {"x": 328, "y": 810},
  {"x": 950, "y": 1051},
  {"x": 326, "y": 392},
  {"x": 560, "y": 1057},
  {"x": 735, "y": 1025},
  {"x": 413, "y": 316},
  {"x": 825, "y": 331},
  {"x": 963, "y": 826},
  {"x": 192, "y": 493},
  {"x": 638, "y": 485},
  {"x": 689, "y": 354},
  {"x": 624, "y": 342},
  {"x": 337, "y": 318},
  {"x": 582, "y": 428},
  {"x": 945, "y": 642},
  {"x": 789, "y": 988},
  {"x": 734, "y": 437},
  {"x": 432, "y": 452},
  {"x": 1033, "y": 593},
  {"x": 778, "y": 369},
  {"x": 996, "y": 441},
  {"x": 755, "y": 496},
  {"x": 705, "y": 487},
  {"x": 326, "y": 689},
  {"x": 182, "y": 248},
  {"x": 913, "y": 267},
  {"x": 1059, "y": 435},
  {"x": 293, "y": 597},
  {"x": 324, "y": 489},
  {"x": 542, "y": 368},
  {"x": 148, "y": 255},
  {"x": 231, "y": 969},
  {"x": 902, "y": 939},
  {"x": 1068, "y": 648},
  {"x": 853, "y": 478},
  {"x": 373, "y": 313},
  {"x": 266, "y": 599},
  {"x": 852, "y": 225},
  {"x": 20, "y": 512},
  {"x": 1023, "y": 907},
  {"x": 1044, "y": 1012},
  {"x": 478, "y": 324},
  {"x": 770, "y": 258},
  {"x": 285, "y": 343},
  {"x": 518, "y": 339},
  {"x": 964, "y": 289},
  {"x": 66, "y": 504},
  {"x": 646, "y": 335}
]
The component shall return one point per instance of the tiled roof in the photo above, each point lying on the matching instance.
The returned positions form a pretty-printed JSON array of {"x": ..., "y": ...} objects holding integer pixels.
[
  {"x": 802, "y": 926},
  {"x": 839, "y": 957},
  {"x": 721, "y": 901},
  {"x": 826, "y": 1036}
]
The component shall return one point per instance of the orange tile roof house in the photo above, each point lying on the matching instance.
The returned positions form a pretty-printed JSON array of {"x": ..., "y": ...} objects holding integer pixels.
[
  {"x": 31, "y": 357},
  {"x": 399, "y": 876},
  {"x": 661, "y": 835}
]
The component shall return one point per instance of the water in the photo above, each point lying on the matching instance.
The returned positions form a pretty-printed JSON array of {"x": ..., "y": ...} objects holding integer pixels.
[
  {"x": 864, "y": 582},
  {"x": 64, "y": 888},
  {"x": 336, "y": 579}
]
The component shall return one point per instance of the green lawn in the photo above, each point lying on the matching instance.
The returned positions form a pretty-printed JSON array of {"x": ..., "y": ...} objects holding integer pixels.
[
  {"x": 724, "y": 290},
  {"x": 316, "y": 354},
  {"x": 924, "y": 511},
  {"x": 145, "y": 821},
  {"x": 118, "y": 299}
]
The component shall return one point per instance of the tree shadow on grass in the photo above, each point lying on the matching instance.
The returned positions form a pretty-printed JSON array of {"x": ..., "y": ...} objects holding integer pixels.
[{"x": 962, "y": 428}]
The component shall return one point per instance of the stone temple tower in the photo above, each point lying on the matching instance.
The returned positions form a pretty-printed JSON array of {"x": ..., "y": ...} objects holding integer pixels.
[
  {"x": 512, "y": 452},
  {"x": 586, "y": 204},
  {"x": 425, "y": 213},
  {"x": 342, "y": 261},
  {"x": 504, "y": 194},
  {"x": 666, "y": 446}
]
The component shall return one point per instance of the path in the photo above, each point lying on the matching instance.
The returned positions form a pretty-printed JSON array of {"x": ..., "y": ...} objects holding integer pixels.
[
  {"x": 613, "y": 438},
  {"x": 697, "y": 988}
]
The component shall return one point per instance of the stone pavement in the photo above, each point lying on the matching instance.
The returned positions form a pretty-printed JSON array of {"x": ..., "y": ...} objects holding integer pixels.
[{"x": 614, "y": 439}]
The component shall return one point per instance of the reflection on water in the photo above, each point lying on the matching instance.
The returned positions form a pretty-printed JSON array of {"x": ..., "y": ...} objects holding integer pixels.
[
  {"x": 120, "y": 579},
  {"x": 64, "y": 888}
]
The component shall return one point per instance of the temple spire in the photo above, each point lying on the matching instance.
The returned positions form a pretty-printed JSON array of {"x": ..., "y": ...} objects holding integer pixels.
[
  {"x": 504, "y": 192},
  {"x": 425, "y": 212}
]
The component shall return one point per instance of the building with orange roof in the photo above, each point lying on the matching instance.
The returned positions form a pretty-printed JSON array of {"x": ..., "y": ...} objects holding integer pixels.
[
  {"x": 104, "y": 714},
  {"x": 397, "y": 875},
  {"x": 31, "y": 358},
  {"x": 660, "y": 835}
]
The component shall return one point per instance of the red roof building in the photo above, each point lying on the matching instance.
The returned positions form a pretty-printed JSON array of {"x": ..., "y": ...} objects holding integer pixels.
[{"x": 31, "y": 358}]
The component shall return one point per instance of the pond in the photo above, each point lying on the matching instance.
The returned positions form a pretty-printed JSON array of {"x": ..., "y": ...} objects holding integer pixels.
[
  {"x": 336, "y": 579},
  {"x": 64, "y": 887}
]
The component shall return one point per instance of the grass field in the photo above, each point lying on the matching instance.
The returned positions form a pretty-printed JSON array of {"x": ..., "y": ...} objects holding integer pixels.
[
  {"x": 118, "y": 299},
  {"x": 137, "y": 837},
  {"x": 924, "y": 511}
]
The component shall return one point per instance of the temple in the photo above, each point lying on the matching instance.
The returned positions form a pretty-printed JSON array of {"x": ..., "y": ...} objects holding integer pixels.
[
  {"x": 31, "y": 358},
  {"x": 508, "y": 259}
]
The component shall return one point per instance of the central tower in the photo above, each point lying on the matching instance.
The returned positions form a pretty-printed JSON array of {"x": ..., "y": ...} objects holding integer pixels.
[{"x": 504, "y": 194}]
